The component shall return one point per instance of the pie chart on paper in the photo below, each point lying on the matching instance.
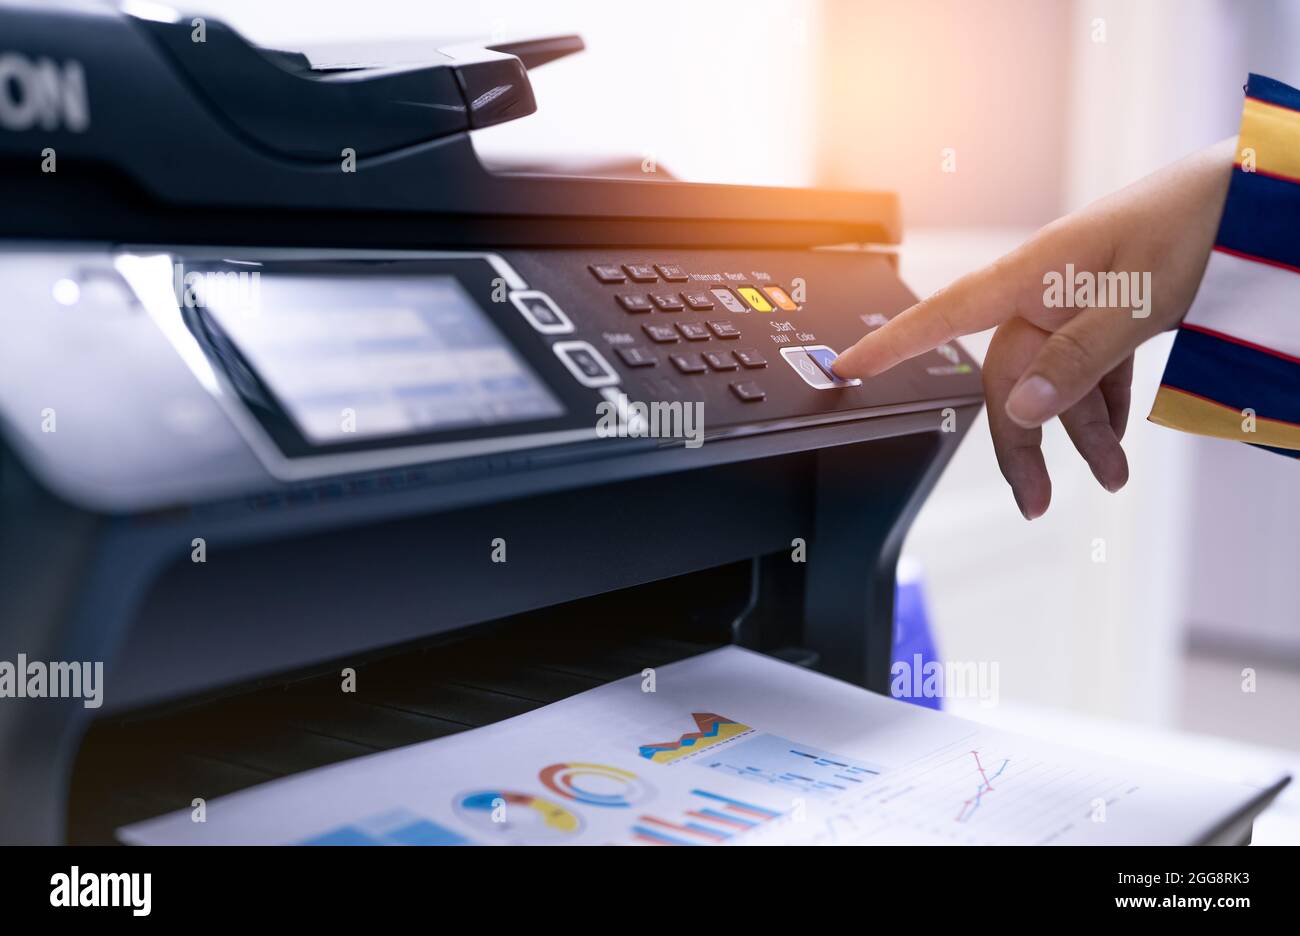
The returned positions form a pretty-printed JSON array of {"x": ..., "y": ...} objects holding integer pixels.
[
  {"x": 595, "y": 784},
  {"x": 517, "y": 816}
]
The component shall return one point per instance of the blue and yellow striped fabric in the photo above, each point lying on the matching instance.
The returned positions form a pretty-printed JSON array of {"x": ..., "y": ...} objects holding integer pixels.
[{"x": 1234, "y": 372}]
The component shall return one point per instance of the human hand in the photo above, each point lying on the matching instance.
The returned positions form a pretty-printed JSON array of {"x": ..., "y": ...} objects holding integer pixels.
[{"x": 1144, "y": 248}]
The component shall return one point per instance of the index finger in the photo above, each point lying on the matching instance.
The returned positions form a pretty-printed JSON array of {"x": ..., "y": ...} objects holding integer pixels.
[{"x": 977, "y": 301}]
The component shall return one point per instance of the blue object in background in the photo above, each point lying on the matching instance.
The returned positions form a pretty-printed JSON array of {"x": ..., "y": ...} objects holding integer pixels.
[{"x": 913, "y": 639}]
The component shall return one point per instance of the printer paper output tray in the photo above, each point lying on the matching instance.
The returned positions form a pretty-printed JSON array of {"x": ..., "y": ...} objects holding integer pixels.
[
  {"x": 730, "y": 747},
  {"x": 136, "y": 767}
]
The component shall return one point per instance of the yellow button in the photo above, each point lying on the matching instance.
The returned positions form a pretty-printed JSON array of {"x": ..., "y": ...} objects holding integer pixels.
[
  {"x": 757, "y": 301},
  {"x": 781, "y": 298}
]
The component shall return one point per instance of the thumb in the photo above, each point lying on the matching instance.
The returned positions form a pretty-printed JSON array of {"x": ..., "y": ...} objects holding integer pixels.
[{"x": 1072, "y": 361}]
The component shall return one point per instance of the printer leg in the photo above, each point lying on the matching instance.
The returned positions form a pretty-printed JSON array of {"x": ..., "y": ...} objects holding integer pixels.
[
  {"x": 35, "y": 775},
  {"x": 849, "y": 588},
  {"x": 43, "y": 546}
]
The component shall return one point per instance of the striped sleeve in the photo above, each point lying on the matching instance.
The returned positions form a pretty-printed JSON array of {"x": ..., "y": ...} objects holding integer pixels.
[{"x": 1234, "y": 371}]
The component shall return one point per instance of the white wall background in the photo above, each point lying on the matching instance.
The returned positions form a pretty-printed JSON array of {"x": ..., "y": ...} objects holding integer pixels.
[
  {"x": 1146, "y": 97},
  {"x": 1167, "y": 82},
  {"x": 1203, "y": 542}
]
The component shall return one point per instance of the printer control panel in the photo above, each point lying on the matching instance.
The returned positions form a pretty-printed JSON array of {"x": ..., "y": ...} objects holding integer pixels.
[
  {"x": 526, "y": 349},
  {"x": 306, "y": 363},
  {"x": 749, "y": 334}
]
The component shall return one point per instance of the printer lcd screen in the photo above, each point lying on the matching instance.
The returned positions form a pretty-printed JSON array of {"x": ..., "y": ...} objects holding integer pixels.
[{"x": 354, "y": 357}]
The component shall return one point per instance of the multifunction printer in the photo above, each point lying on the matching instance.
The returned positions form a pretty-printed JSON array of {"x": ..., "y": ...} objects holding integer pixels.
[{"x": 291, "y": 384}]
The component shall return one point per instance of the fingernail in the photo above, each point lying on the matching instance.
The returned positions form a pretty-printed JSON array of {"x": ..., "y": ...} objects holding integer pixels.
[{"x": 1033, "y": 402}]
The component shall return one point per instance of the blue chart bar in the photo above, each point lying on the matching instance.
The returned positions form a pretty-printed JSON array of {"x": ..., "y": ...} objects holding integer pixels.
[
  {"x": 728, "y": 817},
  {"x": 426, "y": 833},
  {"x": 344, "y": 835},
  {"x": 738, "y": 804},
  {"x": 395, "y": 828},
  {"x": 654, "y": 835},
  {"x": 780, "y": 762},
  {"x": 722, "y": 819}
]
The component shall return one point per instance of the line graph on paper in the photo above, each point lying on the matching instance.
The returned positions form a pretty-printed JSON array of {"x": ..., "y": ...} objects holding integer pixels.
[
  {"x": 974, "y": 790},
  {"x": 969, "y": 807}
]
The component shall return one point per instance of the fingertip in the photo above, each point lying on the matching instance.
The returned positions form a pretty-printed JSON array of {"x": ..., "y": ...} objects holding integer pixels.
[
  {"x": 1020, "y": 504},
  {"x": 1031, "y": 506},
  {"x": 855, "y": 362},
  {"x": 1100, "y": 448},
  {"x": 843, "y": 369},
  {"x": 1114, "y": 475},
  {"x": 1033, "y": 494}
]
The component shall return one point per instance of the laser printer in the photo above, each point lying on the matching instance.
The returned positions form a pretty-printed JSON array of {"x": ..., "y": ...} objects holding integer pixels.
[{"x": 295, "y": 389}]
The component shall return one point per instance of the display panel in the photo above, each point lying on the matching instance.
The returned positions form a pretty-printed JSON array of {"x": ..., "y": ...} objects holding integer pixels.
[{"x": 351, "y": 357}]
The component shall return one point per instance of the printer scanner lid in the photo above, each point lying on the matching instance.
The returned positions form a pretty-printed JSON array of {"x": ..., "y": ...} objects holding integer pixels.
[{"x": 150, "y": 124}]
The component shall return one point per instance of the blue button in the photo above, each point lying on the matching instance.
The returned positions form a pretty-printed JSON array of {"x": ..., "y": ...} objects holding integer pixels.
[{"x": 823, "y": 357}]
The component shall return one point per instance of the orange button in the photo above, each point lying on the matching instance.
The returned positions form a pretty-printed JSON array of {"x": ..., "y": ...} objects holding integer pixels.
[
  {"x": 781, "y": 298},
  {"x": 757, "y": 301}
]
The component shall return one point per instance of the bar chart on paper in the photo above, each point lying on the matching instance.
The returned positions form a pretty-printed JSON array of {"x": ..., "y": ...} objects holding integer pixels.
[
  {"x": 779, "y": 762},
  {"x": 709, "y": 819}
]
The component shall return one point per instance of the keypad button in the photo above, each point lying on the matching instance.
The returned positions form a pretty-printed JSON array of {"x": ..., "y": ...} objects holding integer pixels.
[
  {"x": 667, "y": 302},
  {"x": 727, "y": 299},
  {"x": 750, "y": 358},
  {"x": 813, "y": 365},
  {"x": 541, "y": 312},
  {"x": 823, "y": 357},
  {"x": 748, "y": 391},
  {"x": 636, "y": 357},
  {"x": 690, "y": 363},
  {"x": 671, "y": 272},
  {"x": 806, "y": 368},
  {"x": 607, "y": 272},
  {"x": 699, "y": 301},
  {"x": 640, "y": 272},
  {"x": 724, "y": 329},
  {"x": 693, "y": 331},
  {"x": 720, "y": 360},
  {"x": 660, "y": 334},
  {"x": 634, "y": 302},
  {"x": 757, "y": 301},
  {"x": 585, "y": 363},
  {"x": 781, "y": 298}
]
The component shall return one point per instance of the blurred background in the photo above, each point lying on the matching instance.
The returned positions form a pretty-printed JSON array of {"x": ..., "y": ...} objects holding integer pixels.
[{"x": 1034, "y": 108}]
